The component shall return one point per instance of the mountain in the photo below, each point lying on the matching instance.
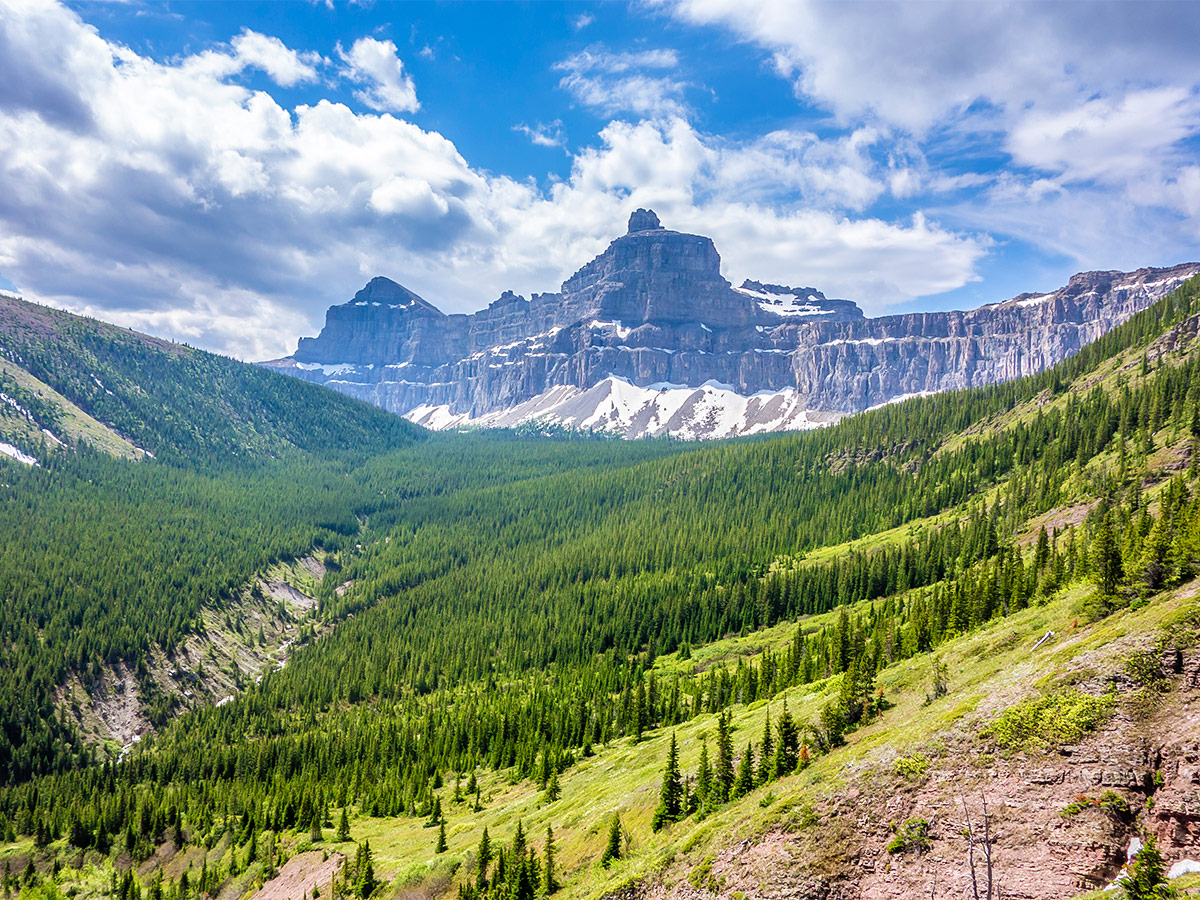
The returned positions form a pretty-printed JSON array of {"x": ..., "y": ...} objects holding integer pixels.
[
  {"x": 982, "y": 602},
  {"x": 67, "y": 379},
  {"x": 649, "y": 339}
]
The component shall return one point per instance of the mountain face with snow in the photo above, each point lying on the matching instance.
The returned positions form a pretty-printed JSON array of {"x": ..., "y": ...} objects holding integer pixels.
[{"x": 648, "y": 339}]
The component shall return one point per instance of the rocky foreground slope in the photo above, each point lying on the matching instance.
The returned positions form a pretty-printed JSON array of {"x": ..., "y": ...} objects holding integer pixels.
[{"x": 649, "y": 339}]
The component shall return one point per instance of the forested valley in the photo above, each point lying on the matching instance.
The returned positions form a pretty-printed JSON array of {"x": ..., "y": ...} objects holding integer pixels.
[{"x": 498, "y": 608}]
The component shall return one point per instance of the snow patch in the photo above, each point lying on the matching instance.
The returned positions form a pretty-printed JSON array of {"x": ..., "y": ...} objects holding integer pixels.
[
  {"x": 615, "y": 326},
  {"x": 1184, "y": 867},
  {"x": 10, "y": 450},
  {"x": 332, "y": 368},
  {"x": 900, "y": 398},
  {"x": 1034, "y": 301},
  {"x": 712, "y": 410},
  {"x": 786, "y": 304}
]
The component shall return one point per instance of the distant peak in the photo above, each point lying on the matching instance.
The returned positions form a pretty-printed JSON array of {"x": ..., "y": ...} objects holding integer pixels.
[{"x": 643, "y": 220}]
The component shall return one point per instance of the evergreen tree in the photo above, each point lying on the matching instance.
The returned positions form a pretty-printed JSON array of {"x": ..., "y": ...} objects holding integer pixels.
[
  {"x": 1106, "y": 558},
  {"x": 766, "y": 749},
  {"x": 553, "y": 791},
  {"x": 549, "y": 878},
  {"x": 364, "y": 868},
  {"x": 343, "y": 829},
  {"x": 745, "y": 780},
  {"x": 789, "y": 741},
  {"x": 704, "y": 778},
  {"x": 612, "y": 849},
  {"x": 441, "y": 839},
  {"x": 670, "y": 799},
  {"x": 723, "y": 773},
  {"x": 483, "y": 859},
  {"x": 1147, "y": 876}
]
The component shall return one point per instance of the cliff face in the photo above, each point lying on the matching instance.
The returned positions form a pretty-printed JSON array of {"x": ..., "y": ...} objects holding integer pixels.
[{"x": 648, "y": 338}]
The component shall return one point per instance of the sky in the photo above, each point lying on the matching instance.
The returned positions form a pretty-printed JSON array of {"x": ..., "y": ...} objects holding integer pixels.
[{"x": 220, "y": 173}]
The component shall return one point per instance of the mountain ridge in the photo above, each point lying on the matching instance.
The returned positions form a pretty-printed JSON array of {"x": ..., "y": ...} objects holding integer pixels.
[{"x": 652, "y": 316}]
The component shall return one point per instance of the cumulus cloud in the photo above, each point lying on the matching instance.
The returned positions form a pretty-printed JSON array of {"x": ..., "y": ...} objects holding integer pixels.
[
  {"x": 613, "y": 83},
  {"x": 167, "y": 196},
  {"x": 1095, "y": 105},
  {"x": 375, "y": 63}
]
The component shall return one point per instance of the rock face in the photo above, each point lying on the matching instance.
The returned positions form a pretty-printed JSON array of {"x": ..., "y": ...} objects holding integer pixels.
[{"x": 648, "y": 339}]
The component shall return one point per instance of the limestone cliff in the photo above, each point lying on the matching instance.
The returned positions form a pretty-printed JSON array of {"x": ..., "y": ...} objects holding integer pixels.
[{"x": 649, "y": 338}]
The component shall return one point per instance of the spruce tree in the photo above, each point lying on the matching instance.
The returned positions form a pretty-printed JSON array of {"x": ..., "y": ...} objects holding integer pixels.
[
  {"x": 744, "y": 782},
  {"x": 1106, "y": 558},
  {"x": 670, "y": 799},
  {"x": 364, "y": 868},
  {"x": 441, "y": 840},
  {"x": 723, "y": 773},
  {"x": 704, "y": 779},
  {"x": 613, "y": 849},
  {"x": 343, "y": 829},
  {"x": 1147, "y": 876},
  {"x": 483, "y": 859},
  {"x": 786, "y": 749},
  {"x": 766, "y": 749},
  {"x": 549, "y": 881}
]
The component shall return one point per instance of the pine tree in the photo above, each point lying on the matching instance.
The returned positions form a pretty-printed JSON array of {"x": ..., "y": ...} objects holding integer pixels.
[
  {"x": 553, "y": 791},
  {"x": 723, "y": 773},
  {"x": 766, "y": 748},
  {"x": 343, "y": 829},
  {"x": 549, "y": 881},
  {"x": 703, "y": 777},
  {"x": 1106, "y": 558},
  {"x": 1147, "y": 876},
  {"x": 521, "y": 880},
  {"x": 441, "y": 840},
  {"x": 670, "y": 800},
  {"x": 789, "y": 740},
  {"x": 613, "y": 849},
  {"x": 744, "y": 782},
  {"x": 364, "y": 868},
  {"x": 483, "y": 859}
]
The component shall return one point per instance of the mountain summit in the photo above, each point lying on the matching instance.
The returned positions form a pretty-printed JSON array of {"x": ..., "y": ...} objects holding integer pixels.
[{"x": 648, "y": 339}]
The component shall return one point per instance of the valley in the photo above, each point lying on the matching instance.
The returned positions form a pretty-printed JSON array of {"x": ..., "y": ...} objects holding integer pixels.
[{"x": 985, "y": 595}]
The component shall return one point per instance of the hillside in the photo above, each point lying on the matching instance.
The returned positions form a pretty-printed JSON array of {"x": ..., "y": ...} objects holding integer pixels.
[
  {"x": 68, "y": 380},
  {"x": 980, "y": 596}
]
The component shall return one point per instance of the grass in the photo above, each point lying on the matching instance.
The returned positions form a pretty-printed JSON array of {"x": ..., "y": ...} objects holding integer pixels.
[{"x": 74, "y": 424}]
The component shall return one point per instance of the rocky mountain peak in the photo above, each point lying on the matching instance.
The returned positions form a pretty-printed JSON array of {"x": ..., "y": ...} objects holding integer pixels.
[
  {"x": 652, "y": 332},
  {"x": 643, "y": 220}
]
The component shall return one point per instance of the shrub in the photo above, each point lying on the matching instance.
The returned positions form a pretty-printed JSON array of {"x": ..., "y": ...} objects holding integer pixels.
[
  {"x": 1042, "y": 723},
  {"x": 912, "y": 767},
  {"x": 911, "y": 837}
]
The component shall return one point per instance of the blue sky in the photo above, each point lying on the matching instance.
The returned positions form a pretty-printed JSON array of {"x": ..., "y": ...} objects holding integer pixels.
[{"x": 222, "y": 172}]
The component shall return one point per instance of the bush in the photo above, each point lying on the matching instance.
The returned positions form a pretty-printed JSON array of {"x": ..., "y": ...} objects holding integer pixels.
[
  {"x": 912, "y": 767},
  {"x": 1042, "y": 723},
  {"x": 911, "y": 837}
]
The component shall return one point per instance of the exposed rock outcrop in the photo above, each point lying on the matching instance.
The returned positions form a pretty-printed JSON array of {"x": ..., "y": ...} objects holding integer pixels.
[{"x": 653, "y": 313}]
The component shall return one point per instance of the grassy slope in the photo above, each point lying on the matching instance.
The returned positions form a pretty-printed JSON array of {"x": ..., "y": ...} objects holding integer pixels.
[{"x": 177, "y": 402}]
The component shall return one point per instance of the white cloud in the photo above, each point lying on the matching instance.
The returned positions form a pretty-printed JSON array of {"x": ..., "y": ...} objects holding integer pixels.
[
  {"x": 1096, "y": 105},
  {"x": 166, "y": 196},
  {"x": 612, "y": 83},
  {"x": 285, "y": 66},
  {"x": 1108, "y": 139},
  {"x": 375, "y": 63},
  {"x": 582, "y": 21},
  {"x": 918, "y": 64},
  {"x": 544, "y": 134}
]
